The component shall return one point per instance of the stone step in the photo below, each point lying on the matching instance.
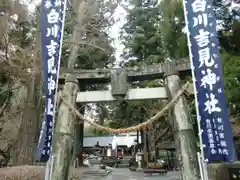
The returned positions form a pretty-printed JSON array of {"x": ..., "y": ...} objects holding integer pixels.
[
  {"x": 96, "y": 172},
  {"x": 123, "y": 165}
]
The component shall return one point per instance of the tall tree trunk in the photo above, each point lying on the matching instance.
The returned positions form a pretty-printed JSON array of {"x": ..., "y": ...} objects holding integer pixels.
[
  {"x": 186, "y": 144},
  {"x": 10, "y": 129},
  {"x": 26, "y": 143}
]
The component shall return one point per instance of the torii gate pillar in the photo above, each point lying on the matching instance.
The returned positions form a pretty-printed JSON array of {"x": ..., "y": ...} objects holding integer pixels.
[{"x": 184, "y": 136}]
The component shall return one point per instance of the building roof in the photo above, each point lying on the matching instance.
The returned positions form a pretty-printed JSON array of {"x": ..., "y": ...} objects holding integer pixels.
[{"x": 90, "y": 141}]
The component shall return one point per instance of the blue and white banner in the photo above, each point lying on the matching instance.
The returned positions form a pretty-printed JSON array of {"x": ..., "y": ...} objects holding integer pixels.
[
  {"x": 216, "y": 133},
  {"x": 51, "y": 28}
]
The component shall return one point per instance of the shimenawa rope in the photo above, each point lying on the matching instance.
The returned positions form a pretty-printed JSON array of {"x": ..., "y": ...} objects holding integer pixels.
[{"x": 134, "y": 128}]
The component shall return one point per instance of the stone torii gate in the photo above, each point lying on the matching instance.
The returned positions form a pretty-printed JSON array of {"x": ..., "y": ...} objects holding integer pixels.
[{"x": 119, "y": 78}]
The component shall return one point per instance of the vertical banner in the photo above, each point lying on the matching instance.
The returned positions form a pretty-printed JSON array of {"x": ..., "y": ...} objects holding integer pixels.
[
  {"x": 216, "y": 133},
  {"x": 51, "y": 30}
]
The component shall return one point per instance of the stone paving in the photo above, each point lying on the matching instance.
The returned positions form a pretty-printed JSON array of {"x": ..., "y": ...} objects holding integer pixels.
[{"x": 125, "y": 174}]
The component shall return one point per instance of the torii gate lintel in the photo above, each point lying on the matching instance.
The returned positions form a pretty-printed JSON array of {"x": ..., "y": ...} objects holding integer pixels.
[{"x": 119, "y": 79}]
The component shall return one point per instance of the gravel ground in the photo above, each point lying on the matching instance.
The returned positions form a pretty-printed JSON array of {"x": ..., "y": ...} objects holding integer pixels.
[
  {"x": 37, "y": 173},
  {"x": 125, "y": 174}
]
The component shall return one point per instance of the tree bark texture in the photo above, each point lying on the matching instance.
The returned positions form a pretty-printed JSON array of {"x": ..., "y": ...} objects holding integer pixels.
[
  {"x": 26, "y": 142},
  {"x": 64, "y": 132},
  {"x": 13, "y": 115},
  {"x": 186, "y": 144}
]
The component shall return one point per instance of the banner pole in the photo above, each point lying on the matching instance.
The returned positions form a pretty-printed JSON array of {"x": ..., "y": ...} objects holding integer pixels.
[
  {"x": 51, "y": 167},
  {"x": 200, "y": 165},
  {"x": 47, "y": 170}
]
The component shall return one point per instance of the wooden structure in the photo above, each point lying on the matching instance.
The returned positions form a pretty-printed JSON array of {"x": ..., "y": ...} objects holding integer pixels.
[
  {"x": 119, "y": 79},
  {"x": 170, "y": 156},
  {"x": 123, "y": 76},
  {"x": 123, "y": 143}
]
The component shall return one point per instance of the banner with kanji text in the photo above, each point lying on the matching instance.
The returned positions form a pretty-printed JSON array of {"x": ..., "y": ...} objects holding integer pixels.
[
  {"x": 51, "y": 30},
  {"x": 216, "y": 132}
]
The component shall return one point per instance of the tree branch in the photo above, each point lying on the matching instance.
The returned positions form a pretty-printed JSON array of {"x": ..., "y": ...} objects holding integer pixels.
[{"x": 11, "y": 89}]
